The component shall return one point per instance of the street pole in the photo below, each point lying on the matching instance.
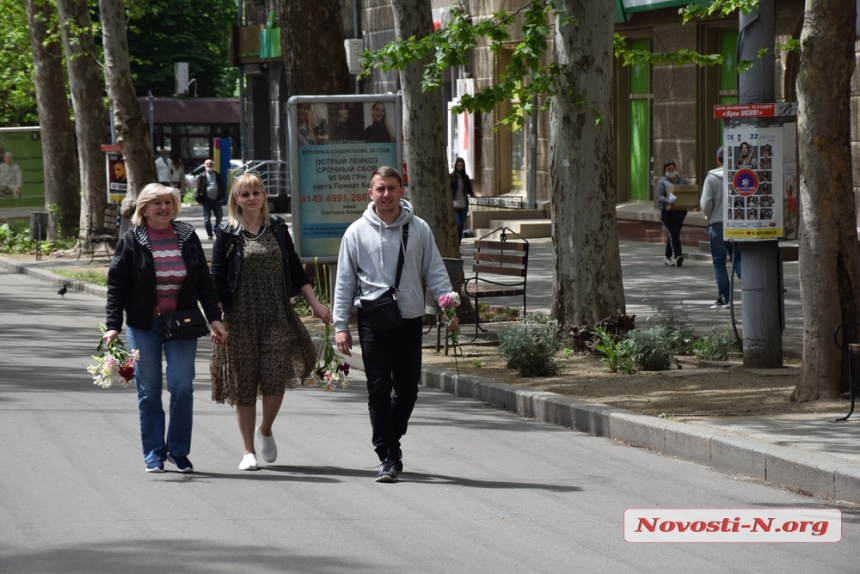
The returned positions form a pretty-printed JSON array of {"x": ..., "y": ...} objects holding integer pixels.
[{"x": 761, "y": 263}]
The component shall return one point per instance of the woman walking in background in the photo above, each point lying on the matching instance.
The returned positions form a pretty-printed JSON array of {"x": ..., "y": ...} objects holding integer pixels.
[
  {"x": 461, "y": 190},
  {"x": 256, "y": 270}
]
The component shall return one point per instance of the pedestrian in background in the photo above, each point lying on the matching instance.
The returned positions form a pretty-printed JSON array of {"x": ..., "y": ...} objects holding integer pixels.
[
  {"x": 159, "y": 266},
  {"x": 178, "y": 174},
  {"x": 461, "y": 190},
  {"x": 164, "y": 168},
  {"x": 367, "y": 268},
  {"x": 211, "y": 190},
  {"x": 256, "y": 270},
  {"x": 713, "y": 198},
  {"x": 672, "y": 217}
]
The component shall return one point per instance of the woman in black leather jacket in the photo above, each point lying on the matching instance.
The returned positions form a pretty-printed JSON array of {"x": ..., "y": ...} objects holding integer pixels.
[{"x": 256, "y": 270}]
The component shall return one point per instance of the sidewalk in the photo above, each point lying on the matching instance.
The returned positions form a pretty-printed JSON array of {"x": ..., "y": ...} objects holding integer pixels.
[{"x": 807, "y": 453}]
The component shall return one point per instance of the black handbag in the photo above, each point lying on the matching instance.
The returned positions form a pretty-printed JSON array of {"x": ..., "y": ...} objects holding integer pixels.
[
  {"x": 183, "y": 324},
  {"x": 382, "y": 313}
]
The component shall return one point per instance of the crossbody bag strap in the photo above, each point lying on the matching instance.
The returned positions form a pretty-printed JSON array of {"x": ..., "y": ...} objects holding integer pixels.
[{"x": 400, "y": 257}]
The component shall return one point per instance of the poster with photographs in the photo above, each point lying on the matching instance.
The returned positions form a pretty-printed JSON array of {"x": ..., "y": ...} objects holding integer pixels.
[
  {"x": 336, "y": 143},
  {"x": 754, "y": 182}
]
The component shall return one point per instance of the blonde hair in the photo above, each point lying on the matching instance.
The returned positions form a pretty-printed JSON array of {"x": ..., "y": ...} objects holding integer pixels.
[
  {"x": 250, "y": 182},
  {"x": 148, "y": 195}
]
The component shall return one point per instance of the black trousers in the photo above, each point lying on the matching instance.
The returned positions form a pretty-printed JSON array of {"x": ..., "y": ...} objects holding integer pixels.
[
  {"x": 392, "y": 363},
  {"x": 673, "y": 221}
]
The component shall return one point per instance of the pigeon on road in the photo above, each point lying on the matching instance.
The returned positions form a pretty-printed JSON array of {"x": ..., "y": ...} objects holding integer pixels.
[{"x": 63, "y": 290}]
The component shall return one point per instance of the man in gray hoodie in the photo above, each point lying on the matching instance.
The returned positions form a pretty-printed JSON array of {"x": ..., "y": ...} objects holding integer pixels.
[
  {"x": 366, "y": 269},
  {"x": 712, "y": 206}
]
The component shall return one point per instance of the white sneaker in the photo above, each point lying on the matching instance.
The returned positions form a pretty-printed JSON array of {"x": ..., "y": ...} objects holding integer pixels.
[
  {"x": 268, "y": 448},
  {"x": 249, "y": 462},
  {"x": 669, "y": 262}
]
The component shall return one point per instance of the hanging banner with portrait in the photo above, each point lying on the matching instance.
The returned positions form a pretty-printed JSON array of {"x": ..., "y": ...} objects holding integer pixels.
[
  {"x": 117, "y": 178},
  {"x": 759, "y": 151},
  {"x": 336, "y": 143}
]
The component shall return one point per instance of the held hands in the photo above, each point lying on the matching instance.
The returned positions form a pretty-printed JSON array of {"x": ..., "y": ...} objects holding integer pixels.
[
  {"x": 219, "y": 333},
  {"x": 321, "y": 311}
]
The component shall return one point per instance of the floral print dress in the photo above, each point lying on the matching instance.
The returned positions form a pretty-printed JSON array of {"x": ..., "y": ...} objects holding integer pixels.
[{"x": 268, "y": 348}]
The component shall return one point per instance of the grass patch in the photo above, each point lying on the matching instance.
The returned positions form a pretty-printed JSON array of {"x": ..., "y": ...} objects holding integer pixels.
[{"x": 94, "y": 276}]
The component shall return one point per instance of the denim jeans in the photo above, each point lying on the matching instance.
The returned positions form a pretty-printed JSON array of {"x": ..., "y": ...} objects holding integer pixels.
[
  {"x": 720, "y": 250},
  {"x": 392, "y": 362},
  {"x": 180, "y": 357},
  {"x": 211, "y": 206},
  {"x": 460, "y": 215}
]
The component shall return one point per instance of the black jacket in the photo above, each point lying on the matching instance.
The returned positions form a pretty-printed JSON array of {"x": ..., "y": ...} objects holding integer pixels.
[
  {"x": 467, "y": 187},
  {"x": 202, "y": 182},
  {"x": 131, "y": 279},
  {"x": 227, "y": 260}
]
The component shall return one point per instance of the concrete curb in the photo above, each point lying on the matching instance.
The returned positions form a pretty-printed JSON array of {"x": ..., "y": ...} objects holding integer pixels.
[
  {"x": 795, "y": 469},
  {"x": 50, "y": 277}
]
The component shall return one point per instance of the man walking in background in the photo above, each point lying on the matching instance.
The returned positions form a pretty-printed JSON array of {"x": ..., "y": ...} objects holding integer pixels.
[
  {"x": 210, "y": 191},
  {"x": 164, "y": 169},
  {"x": 713, "y": 198}
]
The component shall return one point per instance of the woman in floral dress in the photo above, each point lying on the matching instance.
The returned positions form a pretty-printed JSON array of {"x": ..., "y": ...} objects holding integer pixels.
[{"x": 256, "y": 270}]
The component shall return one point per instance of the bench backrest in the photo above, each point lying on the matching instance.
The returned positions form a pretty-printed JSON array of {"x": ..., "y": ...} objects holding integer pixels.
[{"x": 510, "y": 258}]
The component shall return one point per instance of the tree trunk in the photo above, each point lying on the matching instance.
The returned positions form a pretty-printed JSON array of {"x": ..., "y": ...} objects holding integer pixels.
[
  {"x": 587, "y": 264},
  {"x": 131, "y": 126},
  {"x": 424, "y": 133},
  {"x": 87, "y": 90},
  {"x": 312, "y": 45},
  {"x": 828, "y": 249},
  {"x": 58, "y": 139}
]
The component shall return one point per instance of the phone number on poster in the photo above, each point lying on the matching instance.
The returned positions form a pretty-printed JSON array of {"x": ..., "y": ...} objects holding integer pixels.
[{"x": 334, "y": 198}]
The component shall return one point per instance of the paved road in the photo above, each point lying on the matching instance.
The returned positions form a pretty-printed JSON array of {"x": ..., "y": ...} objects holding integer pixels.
[{"x": 484, "y": 491}]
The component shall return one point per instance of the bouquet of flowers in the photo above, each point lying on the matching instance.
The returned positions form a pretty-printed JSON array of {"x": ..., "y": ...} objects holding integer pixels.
[
  {"x": 448, "y": 303},
  {"x": 329, "y": 370},
  {"x": 116, "y": 365}
]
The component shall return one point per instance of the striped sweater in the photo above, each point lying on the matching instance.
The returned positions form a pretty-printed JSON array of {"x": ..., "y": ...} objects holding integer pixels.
[{"x": 170, "y": 270}]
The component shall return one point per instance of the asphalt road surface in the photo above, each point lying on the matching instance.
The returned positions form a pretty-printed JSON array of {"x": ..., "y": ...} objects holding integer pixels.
[{"x": 483, "y": 491}]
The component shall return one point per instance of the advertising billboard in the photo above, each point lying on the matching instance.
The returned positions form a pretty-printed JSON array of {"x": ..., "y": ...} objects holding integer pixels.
[
  {"x": 336, "y": 143},
  {"x": 22, "y": 179}
]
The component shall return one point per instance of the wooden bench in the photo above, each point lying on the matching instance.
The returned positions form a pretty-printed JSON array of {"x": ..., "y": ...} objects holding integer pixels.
[
  {"x": 501, "y": 268},
  {"x": 107, "y": 234}
]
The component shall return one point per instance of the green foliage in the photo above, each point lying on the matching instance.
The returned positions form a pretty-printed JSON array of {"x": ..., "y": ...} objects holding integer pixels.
[
  {"x": 715, "y": 344},
  {"x": 675, "y": 325},
  {"x": 190, "y": 196},
  {"x": 649, "y": 349},
  {"x": 163, "y": 32},
  {"x": 94, "y": 276},
  {"x": 615, "y": 351},
  {"x": 530, "y": 346},
  {"x": 524, "y": 79},
  {"x": 717, "y": 9},
  {"x": 17, "y": 91},
  {"x": 18, "y": 241},
  {"x": 478, "y": 364}
]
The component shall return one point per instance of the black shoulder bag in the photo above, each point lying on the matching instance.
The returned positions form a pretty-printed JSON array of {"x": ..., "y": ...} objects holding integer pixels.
[{"x": 382, "y": 313}]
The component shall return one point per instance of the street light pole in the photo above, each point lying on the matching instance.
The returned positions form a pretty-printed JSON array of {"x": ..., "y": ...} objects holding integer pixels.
[{"x": 762, "y": 263}]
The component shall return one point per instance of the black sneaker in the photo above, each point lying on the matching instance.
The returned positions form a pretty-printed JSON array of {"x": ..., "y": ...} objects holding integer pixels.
[
  {"x": 397, "y": 459},
  {"x": 182, "y": 463},
  {"x": 679, "y": 261},
  {"x": 719, "y": 304},
  {"x": 388, "y": 472}
]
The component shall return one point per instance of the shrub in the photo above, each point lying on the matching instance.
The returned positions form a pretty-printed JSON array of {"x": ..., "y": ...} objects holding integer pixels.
[
  {"x": 674, "y": 325},
  {"x": 649, "y": 350},
  {"x": 615, "y": 351},
  {"x": 715, "y": 344},
  {"x": 530, "y": 346}
]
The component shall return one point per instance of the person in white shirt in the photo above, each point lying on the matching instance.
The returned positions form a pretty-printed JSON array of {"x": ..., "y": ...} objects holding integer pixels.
[
  {"x": 10, "y": 176},
  {"x": 164, "y": 168}
]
